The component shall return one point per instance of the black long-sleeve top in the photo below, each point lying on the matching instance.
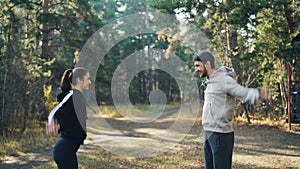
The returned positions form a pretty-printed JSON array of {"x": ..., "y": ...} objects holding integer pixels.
[{"x": 72, "y": 116}]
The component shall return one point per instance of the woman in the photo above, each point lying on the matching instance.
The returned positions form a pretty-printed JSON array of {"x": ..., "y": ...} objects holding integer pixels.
[{"x": 71, "y": 116}]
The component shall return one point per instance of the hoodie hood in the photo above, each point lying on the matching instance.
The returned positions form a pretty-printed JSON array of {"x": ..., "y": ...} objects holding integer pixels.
[
  {"x": 223, "y": 70},
  {"x": 62, "y": 95}
]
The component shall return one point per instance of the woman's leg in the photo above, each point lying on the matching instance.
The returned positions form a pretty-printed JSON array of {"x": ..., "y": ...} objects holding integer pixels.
[{"x": 64, "y": 154}]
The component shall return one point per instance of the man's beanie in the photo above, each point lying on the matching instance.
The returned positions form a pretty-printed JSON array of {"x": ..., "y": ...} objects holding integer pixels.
[{"x": 204, "y": 56}]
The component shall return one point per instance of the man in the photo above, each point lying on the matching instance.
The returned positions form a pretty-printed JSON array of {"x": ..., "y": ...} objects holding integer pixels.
[{"x": 218, "y": 110}]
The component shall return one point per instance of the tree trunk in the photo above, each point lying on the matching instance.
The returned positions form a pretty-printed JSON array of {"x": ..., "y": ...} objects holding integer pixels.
[
  {"x": 289, "y": 18},
  {"x": 3, "y": 103},
  {"x": 45, "y": 31},
  {"x": 245, "y": 106},
  {"x": 150, "y": 70}
]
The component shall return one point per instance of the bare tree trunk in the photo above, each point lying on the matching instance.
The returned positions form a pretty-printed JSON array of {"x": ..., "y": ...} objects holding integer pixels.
[
  {"x": 5, "y": 119},
  {"x": 289, "y": 18},
  {"x": 150, "y": 69},
  {"x": 144, "y": 81},
  {"x": 45, "y": 53},
  {"x": 164, "y": 80},
  {"x": 3, "y": 103},
  {"x": 245, "y": 106},
  {"x": 25, "y": 116},
  {"x": 144, "y": 90},
  {"x": 45, "y": 39}
]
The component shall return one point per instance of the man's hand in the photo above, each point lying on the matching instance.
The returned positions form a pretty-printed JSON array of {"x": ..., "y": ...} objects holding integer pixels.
[{"x": 265, "y": 94}]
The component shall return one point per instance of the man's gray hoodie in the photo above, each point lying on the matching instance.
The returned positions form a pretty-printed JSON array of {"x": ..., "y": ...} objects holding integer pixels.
[{"x": 220, "y": 95}]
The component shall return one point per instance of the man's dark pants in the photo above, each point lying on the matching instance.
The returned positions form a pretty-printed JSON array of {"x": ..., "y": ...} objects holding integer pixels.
[{"x": 218, "y": 149}]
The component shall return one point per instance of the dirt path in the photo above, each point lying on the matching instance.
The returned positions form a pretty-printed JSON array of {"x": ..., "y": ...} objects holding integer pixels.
[
  {"x": 256, "y": 147},
  {"x": 266, "y": 147}
]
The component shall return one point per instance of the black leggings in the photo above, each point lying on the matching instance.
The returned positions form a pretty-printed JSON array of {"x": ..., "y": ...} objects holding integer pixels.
[{"x": 64, "y": 153}]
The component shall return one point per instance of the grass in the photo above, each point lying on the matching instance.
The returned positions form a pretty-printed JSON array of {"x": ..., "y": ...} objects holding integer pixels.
[
  {"x": 32, "y": 139},
  {"x": 258, "y": 119}
]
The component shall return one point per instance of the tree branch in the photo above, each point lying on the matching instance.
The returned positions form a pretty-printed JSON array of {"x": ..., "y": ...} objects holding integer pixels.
[{"x": 66, "y": 47}]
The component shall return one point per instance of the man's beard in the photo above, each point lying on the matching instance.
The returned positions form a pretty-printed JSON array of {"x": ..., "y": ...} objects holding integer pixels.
[{"x": 204, "y": 74}]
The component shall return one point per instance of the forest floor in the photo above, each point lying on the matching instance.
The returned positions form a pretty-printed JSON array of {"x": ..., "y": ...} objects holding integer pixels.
[{"x": 256, "y": 147}]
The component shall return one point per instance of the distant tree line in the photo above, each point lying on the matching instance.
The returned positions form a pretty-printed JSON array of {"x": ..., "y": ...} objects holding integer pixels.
[{"x": 39, "y": 39}]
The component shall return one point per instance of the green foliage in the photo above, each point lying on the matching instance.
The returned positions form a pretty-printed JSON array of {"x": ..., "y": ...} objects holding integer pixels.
[
  {"x": 38, "y": 42},
  {"x": 50, "y": 101},
  {"x": 254, "y": 35}
]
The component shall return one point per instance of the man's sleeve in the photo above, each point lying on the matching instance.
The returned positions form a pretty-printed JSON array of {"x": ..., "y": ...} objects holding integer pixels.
[{"x": 249, "y": 95}]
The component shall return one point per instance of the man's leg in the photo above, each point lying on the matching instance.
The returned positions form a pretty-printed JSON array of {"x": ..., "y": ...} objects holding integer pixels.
[
  {"x": 222, "y": 148},
  {"x": 208, "y": 156}
]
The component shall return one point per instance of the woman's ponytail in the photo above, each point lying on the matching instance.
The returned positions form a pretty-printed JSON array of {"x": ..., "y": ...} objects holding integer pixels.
[
  {"x": 65, "y": 83},
  {"x": 70, "y": 77}
]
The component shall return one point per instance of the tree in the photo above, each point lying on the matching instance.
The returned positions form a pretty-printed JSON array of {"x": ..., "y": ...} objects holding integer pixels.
[
  {"x": 145, "y": 81},
  {"x": 35, "y": 36},
  {"x": 255, "y": 41}
]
